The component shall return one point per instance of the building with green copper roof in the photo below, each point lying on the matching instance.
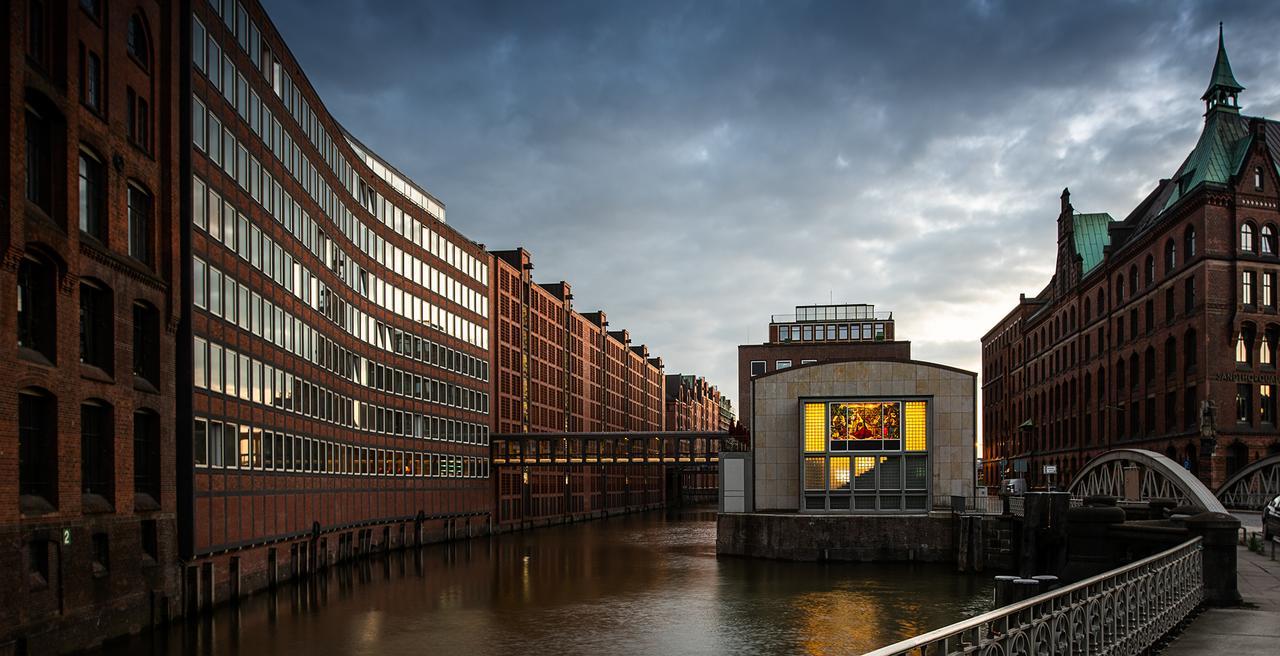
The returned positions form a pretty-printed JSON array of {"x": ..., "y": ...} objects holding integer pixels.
[{"x": 1160, "y": 331}]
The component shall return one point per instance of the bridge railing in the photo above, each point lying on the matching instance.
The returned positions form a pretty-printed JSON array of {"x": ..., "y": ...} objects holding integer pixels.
[{"x": 1123, "y": 611}]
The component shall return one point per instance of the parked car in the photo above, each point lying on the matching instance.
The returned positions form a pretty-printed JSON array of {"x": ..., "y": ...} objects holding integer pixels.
[{"x": 1271, "y": 519}]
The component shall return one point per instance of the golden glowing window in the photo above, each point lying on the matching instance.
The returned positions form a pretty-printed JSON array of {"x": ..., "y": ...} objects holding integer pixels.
[
  {"x": 916, "y": 426},
  {"x": 814, "y": 473},
  {"x": 839, "y": 473},
  {"x": 815, "y": 425}
]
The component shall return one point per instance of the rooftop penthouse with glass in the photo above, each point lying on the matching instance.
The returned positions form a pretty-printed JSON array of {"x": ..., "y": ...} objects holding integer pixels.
[{"x": 850, "y": 322}]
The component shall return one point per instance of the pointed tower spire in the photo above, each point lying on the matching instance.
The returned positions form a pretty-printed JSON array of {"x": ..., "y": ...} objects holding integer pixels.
[{"x": 1223, "y": 88}]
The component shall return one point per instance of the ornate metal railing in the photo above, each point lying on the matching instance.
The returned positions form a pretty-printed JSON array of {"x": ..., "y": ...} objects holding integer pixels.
[{"x": 1123, "y": 611}]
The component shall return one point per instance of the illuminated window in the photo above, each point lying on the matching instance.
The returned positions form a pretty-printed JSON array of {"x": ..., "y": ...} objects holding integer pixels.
[
  {"x": 916, "y": 426},
  {"x": 815, "y": 419},
  {"x": 877, "y": 475}
]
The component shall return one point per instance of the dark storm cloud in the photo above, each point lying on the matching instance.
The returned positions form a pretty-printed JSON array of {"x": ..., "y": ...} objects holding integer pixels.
[{"x": 694, "y": 167}]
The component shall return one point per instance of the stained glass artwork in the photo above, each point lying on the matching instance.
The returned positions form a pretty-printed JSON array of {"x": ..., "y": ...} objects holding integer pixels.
[{"x": 865, "y": 426}]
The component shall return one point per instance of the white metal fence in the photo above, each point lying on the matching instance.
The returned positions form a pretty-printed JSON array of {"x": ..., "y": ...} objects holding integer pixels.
[{"x": 1123, "y": 611}]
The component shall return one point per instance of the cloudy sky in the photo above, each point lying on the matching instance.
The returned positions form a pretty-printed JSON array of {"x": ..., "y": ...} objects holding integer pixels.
[{"x": 692, "y": 168}]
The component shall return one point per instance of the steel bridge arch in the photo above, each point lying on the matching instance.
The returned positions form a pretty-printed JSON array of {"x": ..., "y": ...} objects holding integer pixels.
[
  {"x": 1252, "y": 487},
  {"x": 1158, "y": 477}
]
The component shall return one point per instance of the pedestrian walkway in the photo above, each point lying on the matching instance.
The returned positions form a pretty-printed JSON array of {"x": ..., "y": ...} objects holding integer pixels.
[{"x": 1252, "y": 629}]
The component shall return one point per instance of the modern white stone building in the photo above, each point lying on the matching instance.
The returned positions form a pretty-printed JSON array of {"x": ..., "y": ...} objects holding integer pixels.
[{"x": 862, "y": 437}]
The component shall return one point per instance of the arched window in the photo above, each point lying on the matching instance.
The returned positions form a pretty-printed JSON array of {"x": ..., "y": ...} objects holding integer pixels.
[
  {"x": 137, "y": 41},
  {"x": 97, "y": 324},
  {"x": 1246, "y": 237},
  {"x": 1151, "y": 270},
  {"x": 146, "y": 458},
  {"x": 1119, "y": 295},
  {"x": 1149, "y": 367},
  {"x": 97, "y": 455},
  {"x": 1170, "y": 257},
  {"x": 1133, "y": 281},
  {"x": 1244, "y": 344},
  {"x": 1088, "y": 315},
  {"x": 1267, "y": 346},
  {"x": 1133, "y": 371},
  {"x": 37, "y": 450},
  {"x": 37, "y": 305},
  {"x": 1102, "y": 302},
  {"x": 1268, "y": 241},
  {"x": 1189, "y": 244}
]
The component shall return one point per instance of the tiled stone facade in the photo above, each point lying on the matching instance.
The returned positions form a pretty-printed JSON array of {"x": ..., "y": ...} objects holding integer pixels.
[{"x": 776, "y": 422}]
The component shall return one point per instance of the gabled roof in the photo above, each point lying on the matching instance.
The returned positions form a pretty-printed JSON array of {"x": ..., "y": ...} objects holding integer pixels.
[{"x": 1091, "y": 236}]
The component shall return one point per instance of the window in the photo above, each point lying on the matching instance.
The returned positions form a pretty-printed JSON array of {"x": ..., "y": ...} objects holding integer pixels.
[
  {"x": 1246, "y": 287},
  {"x": 1189, "y": 244},
  {"x": 1246, "y": 238},
  {"x": 1267, "y": 404},
  {"x": 758, "y": 367},
  {"x": 1190, "y": 408},
  {"x": 139, "y": 125},
  {"x": 97, "y": 321},
  {"x": 1244, "y": 403},
  {"x": 140, "y": 225},
  {"x": 1268, "y": 240},
  {"x": 97, "y": 452},
  {"x": 865, "y": 456},
  {"x": 93, "y": 215},
  {"x": 1189, "y": 349},
  {"x": 1170, "y": 357},
  {"x": 1189, "y": 295},
  {"x": 137, "y": 42},
  {"x": 39, "y": 154},
  {"x": 1268, "y": 289},
  {"x": 37, "y": 450},
  {"x": 146, "y": 343},
  {"x": 1151, "y": 270},
  {"x": 1257, "y": 178},
  {"x": 1170, "y": 257},
  {"x": 146, "y": 458},
  {"x": 39, "y": 32},
  {"x": 36, "y": 306},
  {"x": 1244, "y": 344},
  {"x": 93, "y": 8},
  {"x": 91, "y": 80},
  {"x": 782, "y": 364}
]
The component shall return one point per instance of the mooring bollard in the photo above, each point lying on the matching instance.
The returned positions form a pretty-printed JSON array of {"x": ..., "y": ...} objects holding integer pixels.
[
  {"x": 1004, "y": 590},
  {"x": 1047, "y": 582},
  {"x": 1024, "y": 589}
]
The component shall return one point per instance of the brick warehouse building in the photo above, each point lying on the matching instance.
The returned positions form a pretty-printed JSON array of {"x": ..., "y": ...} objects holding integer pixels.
[
  {"x": 1156, "y": 327},
  {"x": 309, "y": 341},
  {"x": 575, "y": 375},
  {"x": 692, "y": 404},
  {"x": 818, "y": 333},
  {"x": 87, "y": 478}
]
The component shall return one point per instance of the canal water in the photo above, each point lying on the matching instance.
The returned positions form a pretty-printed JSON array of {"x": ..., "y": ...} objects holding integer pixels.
[{"x": 641, "y": 584}]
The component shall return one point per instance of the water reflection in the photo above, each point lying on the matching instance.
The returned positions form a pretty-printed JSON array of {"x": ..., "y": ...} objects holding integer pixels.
[{"x": 645, "y": 584}]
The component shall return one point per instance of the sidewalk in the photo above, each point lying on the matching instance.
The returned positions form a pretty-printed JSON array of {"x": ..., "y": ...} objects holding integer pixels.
[{"x": 1240, "y": 631}]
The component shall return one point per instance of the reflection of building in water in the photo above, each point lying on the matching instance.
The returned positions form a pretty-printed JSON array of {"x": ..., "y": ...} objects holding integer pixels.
[{"x": 888, "y": 438}]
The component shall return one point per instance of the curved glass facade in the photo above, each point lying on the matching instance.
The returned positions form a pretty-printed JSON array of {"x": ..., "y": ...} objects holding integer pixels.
[{"x": 340, "y": 330}]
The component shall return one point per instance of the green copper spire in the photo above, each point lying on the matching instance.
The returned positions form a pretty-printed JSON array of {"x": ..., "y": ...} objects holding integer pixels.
[{"x": 1223, "y": 87}]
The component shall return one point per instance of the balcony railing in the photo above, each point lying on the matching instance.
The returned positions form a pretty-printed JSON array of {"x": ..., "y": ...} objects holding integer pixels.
[{"x": 1123, "y": 611}]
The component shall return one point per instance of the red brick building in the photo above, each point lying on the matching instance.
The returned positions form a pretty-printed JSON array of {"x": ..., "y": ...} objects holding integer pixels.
[
  {"x": 336, "y": 347},
  {"x": 818, "y": 333},
  {"x": 1154, "y": 328},
  {"x": 692, "y": 404},
  {"x": 87, "y": 478},
  {"x": 559, "y": 370}
]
